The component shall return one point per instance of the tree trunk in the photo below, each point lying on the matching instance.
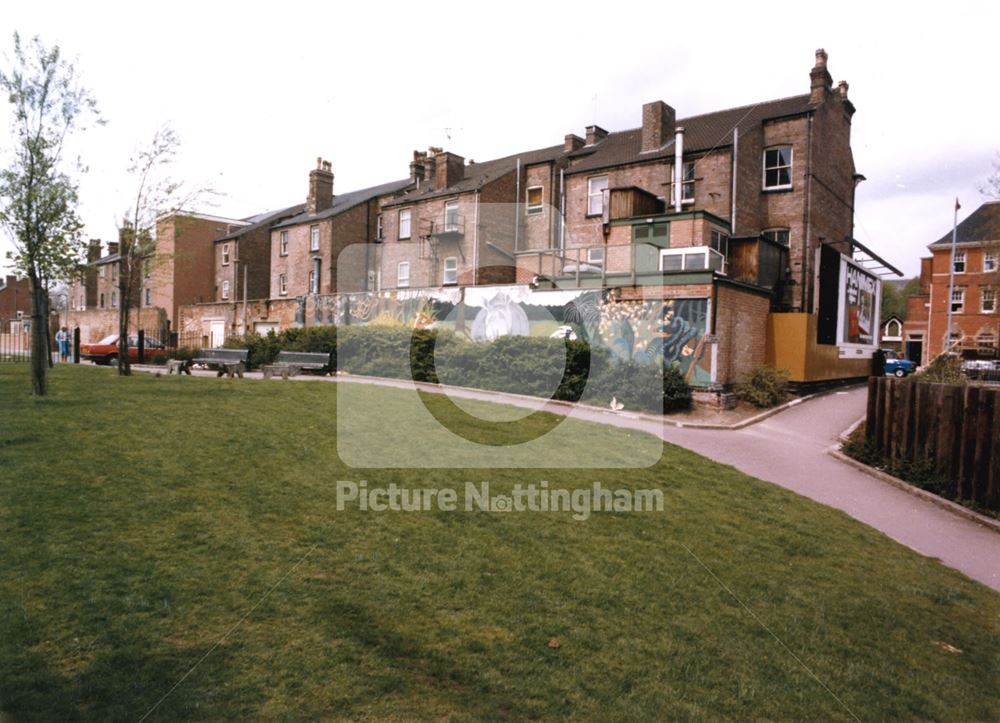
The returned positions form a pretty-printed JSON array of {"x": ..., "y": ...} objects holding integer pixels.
[
  {"x": 47, "y": 315},
  {"x": 124, "y": 297},
  {"x": 39, "y": 334}
]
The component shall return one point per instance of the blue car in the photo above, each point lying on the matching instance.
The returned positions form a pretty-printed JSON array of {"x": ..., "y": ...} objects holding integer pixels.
[{"x": 896, "y": 365}]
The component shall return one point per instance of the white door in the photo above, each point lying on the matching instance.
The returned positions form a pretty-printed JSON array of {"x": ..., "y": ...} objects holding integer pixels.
[{"x": 217, "y": 335}]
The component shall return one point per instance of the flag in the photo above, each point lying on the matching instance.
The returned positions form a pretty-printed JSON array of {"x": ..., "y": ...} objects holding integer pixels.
[{"x": 957, "y": 204}]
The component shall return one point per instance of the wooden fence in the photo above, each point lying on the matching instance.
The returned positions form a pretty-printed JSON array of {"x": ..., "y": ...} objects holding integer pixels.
[{"x": 949, "y": 429}]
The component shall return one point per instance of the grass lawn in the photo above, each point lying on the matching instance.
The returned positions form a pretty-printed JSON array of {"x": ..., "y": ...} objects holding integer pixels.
[{"x": 144, "y": 520}]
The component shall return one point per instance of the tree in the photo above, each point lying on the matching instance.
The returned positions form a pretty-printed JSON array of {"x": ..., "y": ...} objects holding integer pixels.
[
  {"x": 38, "y": 198},
  {"x": 156, "y": 195},
  {"x": 991, "y": 186}
]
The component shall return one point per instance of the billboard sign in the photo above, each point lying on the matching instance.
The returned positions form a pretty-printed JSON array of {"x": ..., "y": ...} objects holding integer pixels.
[{"x": 860, "y": 304}]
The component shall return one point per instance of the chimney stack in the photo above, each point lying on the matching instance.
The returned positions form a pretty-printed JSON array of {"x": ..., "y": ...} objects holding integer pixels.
[
  {"x": 320, "y": 187},
  {"x": 820, "y": 80},
  {"x": 658, "y": 121},
  {"x": 417, "y": 167},
  {"x": 93, "y": 250},
  {"x": 112, "y": 248},
  {"x": 449, "y": 170},
  {"x": 595, "y": 134},
  {"x": 573, "y": 142}
]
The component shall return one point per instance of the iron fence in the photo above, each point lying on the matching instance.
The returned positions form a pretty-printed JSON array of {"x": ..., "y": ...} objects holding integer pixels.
[{"x": 15, "y": 347}]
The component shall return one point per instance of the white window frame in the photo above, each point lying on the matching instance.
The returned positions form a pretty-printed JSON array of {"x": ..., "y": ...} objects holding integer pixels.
[
  {"x": 225, "y": 290},
  {"x": 989, "y": 295},
  {"x": 403, "y": 279},
  {"x": 959, "y": 261},
  {"x": 451, "y": 215},
  {"x": 378, "y": 227},
  {"x": 595, "y": 256},
  {"x": 449, "y": 276},
  {"x": 531, "y": 209},
  {"x": 114, "y": 299},
  {"x": 114, "y": 272},
  {"x": 314, "y": 237},
  {"x": 778, "y": 167},
  {"x": 283, "y": 284},
  {"x": 597, "y": 194},
  {"x": 720, "y": 238},
  {"x": 771, "y": 234},
  {"x": 989, "y": 261},
  {"x": 687, "y": 183},
  {"x": 225, "y": 254},
  {"x": 707, "y": 253},
  {"x": 405, "y": 221},
  {"x": 283, "y": 243},
  {"x": 958, "y": 301},
  {"x": 313, "y": 288}
]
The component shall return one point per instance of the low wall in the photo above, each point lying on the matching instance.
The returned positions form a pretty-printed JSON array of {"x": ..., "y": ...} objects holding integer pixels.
[
  {"x": 791, "y": 345},
  {"x": 95, "y": 324}
]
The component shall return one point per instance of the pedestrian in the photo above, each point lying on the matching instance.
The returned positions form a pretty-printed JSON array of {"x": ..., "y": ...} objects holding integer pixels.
[{"x": 62, "y": 339}]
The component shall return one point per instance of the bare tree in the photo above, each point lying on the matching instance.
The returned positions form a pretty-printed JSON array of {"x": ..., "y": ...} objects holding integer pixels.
[
  {"x": 38, "y": 198},
  {"x": 156, "y": 195},
  {"x": 991, "y": 186}
]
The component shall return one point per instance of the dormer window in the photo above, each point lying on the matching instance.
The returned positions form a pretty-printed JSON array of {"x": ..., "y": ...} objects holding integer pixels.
[{"x": 777, "y": 168}]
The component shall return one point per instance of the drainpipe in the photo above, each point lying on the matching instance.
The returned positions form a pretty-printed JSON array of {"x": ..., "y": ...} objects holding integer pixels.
[
  {"x": 732, "y": 212},
  {"x": 678, "y": 168},
  {"x": 562, "y": 210},
  {"x": 805, "y": 302},
  {"x": 517, "y": 205},
  {"x": 475, "y": 245}
]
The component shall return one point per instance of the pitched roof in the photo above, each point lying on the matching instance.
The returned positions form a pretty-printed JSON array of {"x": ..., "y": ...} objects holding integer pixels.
[
  {"x": 982, "y": 225},
  {"x": 345, "y": 202},
  {"x": 701, "y": 133},
  {"x": 479, "y": 174},
  {"x": 268, "y": 218}
]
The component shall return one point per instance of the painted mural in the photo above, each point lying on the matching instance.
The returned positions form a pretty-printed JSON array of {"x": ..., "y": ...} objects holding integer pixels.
[{"x": 643, "y": 331}]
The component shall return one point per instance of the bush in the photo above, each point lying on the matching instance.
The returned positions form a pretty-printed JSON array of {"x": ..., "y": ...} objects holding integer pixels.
[
  {"x": 763, "y": 386},
  {"x": 945, "y": 368}
]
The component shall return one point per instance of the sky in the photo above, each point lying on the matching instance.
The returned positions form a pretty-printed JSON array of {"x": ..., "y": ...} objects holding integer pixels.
[{"x": 257, "y": 92}]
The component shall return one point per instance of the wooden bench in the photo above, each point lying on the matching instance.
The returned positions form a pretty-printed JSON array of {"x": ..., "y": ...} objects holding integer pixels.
[
  {"x": 289, "y": 363},
  {"x": 226, "y": 361}
]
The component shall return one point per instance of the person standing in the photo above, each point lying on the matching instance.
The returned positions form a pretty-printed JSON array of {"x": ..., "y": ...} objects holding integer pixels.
[{"x": 62, "y": 339}]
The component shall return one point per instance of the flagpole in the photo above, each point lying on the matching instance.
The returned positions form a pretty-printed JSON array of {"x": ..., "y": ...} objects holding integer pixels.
[{"x": 951, "y": 275}]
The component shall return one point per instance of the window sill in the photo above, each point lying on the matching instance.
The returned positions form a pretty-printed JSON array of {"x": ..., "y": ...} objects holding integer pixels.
[
  {"x": 594, "y": 215},
  {"x": 777, "y": 189},
  {"x": 533, "y": 212}
]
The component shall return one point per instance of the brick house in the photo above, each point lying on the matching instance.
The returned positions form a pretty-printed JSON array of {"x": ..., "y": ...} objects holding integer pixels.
[
  {"x": 305, "y": 247},
  {"x": 15, "y": 302},
  {"x": 973, "y": 300},
  {"x": 244, "y": 255}
]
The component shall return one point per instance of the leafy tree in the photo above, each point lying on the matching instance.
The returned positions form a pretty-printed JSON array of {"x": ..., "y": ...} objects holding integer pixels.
[
  {"x": 38, "y": 198},
  {"x": 894, "y": 298}
]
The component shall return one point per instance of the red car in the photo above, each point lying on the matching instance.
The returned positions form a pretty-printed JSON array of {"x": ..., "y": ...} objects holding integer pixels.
[{"x": 105, "y": 351}]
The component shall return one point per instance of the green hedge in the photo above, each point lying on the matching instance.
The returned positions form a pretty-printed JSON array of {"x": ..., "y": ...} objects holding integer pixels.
[{"x": 535, "y": 366}]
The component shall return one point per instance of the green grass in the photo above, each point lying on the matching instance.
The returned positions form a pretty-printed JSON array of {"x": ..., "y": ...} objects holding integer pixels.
[{"x": 143, "y": 519}]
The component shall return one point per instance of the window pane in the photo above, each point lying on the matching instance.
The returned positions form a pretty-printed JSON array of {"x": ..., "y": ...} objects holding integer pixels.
[
  {"x": 694, "y": 261},
  {"x": 672, "y": 262},
  {"x": 640, "y": 233},
  {"x": 784, "y": 179},
  {"x": 660, "y": 230}
]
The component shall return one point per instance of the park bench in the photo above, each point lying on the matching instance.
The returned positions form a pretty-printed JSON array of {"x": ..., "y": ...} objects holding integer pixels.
[
  {"x": 227, "y": 361},
  {"x": 289, "y": 363}
]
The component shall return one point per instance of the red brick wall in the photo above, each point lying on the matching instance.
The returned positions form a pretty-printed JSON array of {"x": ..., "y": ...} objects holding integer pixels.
[{"x": 741, "y": 327}]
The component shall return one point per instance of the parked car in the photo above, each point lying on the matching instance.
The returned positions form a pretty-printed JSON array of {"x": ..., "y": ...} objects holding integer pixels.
[
  {"x": 896, "y": 365},
  {"x": 105, "y": 351}
]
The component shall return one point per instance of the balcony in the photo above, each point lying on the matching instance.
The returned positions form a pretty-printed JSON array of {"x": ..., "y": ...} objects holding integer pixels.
[
  {"x": 620, "y": 265},
  {"x": 452, "y": 228}
]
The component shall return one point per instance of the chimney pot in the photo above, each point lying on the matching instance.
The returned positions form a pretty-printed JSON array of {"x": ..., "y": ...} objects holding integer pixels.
[
  {"x": 820, "y": 80},
  {"x": 821, "y": 58},
  {"x": 842, "y": 87}
]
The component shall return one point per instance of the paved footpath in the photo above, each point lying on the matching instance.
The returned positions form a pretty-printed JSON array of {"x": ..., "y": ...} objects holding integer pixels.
[{"x": 789, "y": 450}]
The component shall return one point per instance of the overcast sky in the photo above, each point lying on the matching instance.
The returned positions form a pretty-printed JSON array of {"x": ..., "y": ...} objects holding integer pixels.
[{"x": 256, "y": 92}]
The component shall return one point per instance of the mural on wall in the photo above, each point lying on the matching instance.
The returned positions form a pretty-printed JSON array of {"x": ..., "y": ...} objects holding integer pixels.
[{"x": 641, "y": 331}]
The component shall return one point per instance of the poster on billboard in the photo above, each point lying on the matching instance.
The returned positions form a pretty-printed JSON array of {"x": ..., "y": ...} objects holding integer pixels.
[{"x": 860, "y": 306}]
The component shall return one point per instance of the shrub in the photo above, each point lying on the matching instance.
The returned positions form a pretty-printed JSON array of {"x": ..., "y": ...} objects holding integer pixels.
[
  {"x": 945, "y": 368},
  {"x": 262, "y": 349},
  {"x": 763, "y": 386}
]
